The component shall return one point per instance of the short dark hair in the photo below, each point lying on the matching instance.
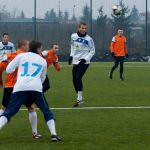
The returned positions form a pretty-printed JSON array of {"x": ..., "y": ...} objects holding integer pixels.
[
  {"x": 4, "y": 34},
  {"x": 22, "y": 42},
  {"x": 54, "y": 44},
  {"x": 82, "y": 23},
  {"x": 34, "y": 45}
]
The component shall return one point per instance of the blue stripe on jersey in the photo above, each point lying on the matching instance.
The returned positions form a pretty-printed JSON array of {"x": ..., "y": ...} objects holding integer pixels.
[
  {"x": 7, "y": 48},
  {"x": 83, "y": 41}
]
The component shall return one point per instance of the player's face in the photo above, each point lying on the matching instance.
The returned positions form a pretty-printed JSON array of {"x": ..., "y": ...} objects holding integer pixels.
[
  {"x": 5, "y": 38},
  {"x": 120, "y": 32},
  {"x": 55, "y": 49},
  {"x": 83, "y": 29}
]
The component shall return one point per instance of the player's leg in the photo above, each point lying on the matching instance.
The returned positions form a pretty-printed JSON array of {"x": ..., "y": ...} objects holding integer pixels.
[
  {"x": 79, "y": 75},
  {"x": 17, "y": 99},
  {"x": 41, "y": 102},
  {"x": 74, "y": 71},
  {"x": 121, "y": 68},
  {"x": 33, "y": 119},
  {"x": 6, "y": 98},
  {"x": 116, "y": 63}
]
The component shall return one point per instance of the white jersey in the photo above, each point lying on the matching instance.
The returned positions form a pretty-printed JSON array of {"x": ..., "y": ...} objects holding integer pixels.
[
  {"x": 6, "y": 49},
  {"x": 32, "y": 70},
  {"x": 82, "y": 48}
]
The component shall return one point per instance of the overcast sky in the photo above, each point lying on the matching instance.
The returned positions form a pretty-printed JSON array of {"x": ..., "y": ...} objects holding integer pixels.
[{"x": 44, "y": 5}]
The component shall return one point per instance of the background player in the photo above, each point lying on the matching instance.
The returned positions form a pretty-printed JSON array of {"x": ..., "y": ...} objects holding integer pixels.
[
  {"x": 51, "y": 58},
  {"x": 6, "y": 47},
  {"x": 82, "y": 50},
  {"x": 119, "y": 50}
]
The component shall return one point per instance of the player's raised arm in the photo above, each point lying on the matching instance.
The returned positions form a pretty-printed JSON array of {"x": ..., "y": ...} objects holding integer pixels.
[{"x": 43, "y": 75}]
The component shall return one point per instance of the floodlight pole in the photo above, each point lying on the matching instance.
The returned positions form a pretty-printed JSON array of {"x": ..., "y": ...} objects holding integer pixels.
[
  {"x": 146, "y": 30},
  {"x": 91, "y": 17},
  {"x": 35, "y": 23}
]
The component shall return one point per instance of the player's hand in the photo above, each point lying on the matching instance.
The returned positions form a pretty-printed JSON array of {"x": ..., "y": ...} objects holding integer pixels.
[
  {"x": 127, "y": 56},
  {"x": 82, "y": 61},
  {"x": 59, "y": 69},
  {"x": 70, "y": 60}
]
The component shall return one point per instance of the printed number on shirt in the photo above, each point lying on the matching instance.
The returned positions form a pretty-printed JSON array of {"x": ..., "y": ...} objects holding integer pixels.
[{"x": 26, "y": 69}]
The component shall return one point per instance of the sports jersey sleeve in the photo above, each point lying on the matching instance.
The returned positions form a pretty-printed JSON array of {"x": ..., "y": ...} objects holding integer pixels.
[
  {"x": 13, "y": 64},
  {"x": 43, "y": 75},
  {"x": 126, "y": 48},
  {"x": 112, "y": 45},
  {"x": 3, "y": 66},
  {"x": 13, "y": 48},
  {"x": 72, "y": 43},
  {"x": 92, "y": 50},
  {"x": 44, "y": 53}
]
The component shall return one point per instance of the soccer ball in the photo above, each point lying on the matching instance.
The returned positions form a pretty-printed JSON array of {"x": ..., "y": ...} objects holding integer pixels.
[{"x": 117, "y": 10}]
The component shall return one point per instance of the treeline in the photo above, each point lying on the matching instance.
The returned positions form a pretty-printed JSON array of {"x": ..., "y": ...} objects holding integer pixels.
[{"x": 59, "y": 26}]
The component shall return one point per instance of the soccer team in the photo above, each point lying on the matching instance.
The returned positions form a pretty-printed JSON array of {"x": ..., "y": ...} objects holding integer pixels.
[{"x": 27, "y": 80}]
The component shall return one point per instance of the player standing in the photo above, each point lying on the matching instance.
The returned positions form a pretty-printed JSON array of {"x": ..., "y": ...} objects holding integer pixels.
[
  {"x": 6, "y": 47},
  {"x": 82, "y": 50},
  {"x": 10, "y": 81},
  {"x": 32, "y": 70},
  {"x": 119, "y": 50}
]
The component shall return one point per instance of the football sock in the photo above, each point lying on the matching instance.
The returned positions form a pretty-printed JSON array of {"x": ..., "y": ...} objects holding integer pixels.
[
  {"x": 79, "y": 96},
  {"x": 3, "y": 121},
  {"x": 1, "y": 111},
  {"x": 51, "y": 126},
  {"x": 33, "y": 121}
]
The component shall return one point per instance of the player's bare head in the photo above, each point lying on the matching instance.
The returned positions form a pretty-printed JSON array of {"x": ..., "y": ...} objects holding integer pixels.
[
  {"x": 5, "y": 37},
  {"x": 55, "y": 47},
  {"x": 120, "y": 32},
  {"x": 82, "y": 28},
  {"x": 23, "y": 44},
  {"x": 35, "y": 47}
]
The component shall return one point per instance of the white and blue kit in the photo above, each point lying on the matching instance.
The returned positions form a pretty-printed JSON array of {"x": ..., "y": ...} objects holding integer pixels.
[
  {"x": 6, "y": 49},
  {"x": 32, "y": 70},
  {"x": 82, "y": 48}
]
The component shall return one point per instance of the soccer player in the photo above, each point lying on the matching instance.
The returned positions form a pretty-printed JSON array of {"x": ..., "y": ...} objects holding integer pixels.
[
  {"x": 31, "y": 74},
  {"x": 6, "y": 47},
  {"x": 119, "y": 50},
  {"x": 10, "y": 81},
  {"x": 51, "y": 58},
  {"x": 82, "y": 50}
]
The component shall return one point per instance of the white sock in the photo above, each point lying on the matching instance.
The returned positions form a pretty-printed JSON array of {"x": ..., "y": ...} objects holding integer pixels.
[
  {"x": 51, "y": 126},
  {"x": 3, "y": 121},
  {"x": 33, "y": 121},
  {"x": 1, "y": 111},
  {"x": 79, "y": 96}
]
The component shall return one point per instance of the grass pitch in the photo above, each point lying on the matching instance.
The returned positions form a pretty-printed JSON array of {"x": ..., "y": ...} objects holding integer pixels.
[{"x": 86, "y": 129}]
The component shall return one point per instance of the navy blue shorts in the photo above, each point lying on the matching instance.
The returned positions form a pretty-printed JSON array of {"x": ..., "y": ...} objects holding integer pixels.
[{"x": 22, "y": 97}]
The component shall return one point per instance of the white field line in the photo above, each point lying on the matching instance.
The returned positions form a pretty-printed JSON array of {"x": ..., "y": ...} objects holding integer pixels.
[{"x": 94, "y": 108}]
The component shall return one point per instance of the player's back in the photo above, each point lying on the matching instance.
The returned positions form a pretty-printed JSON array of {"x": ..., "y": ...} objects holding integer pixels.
[{"x": 30, "y": 69}]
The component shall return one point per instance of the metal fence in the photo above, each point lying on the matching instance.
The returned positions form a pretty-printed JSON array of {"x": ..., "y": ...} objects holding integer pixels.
[{"x": 54, "y": 21}]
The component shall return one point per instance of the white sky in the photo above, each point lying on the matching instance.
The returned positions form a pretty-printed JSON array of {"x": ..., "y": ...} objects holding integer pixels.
[{"x": 44, "y": 5}]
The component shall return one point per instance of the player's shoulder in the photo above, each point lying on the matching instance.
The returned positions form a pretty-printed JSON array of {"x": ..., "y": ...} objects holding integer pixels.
[
  {"x": 88, "y": 37},
  {"x": 10, "y": 44},
  {"x": 74, "y": 35}
]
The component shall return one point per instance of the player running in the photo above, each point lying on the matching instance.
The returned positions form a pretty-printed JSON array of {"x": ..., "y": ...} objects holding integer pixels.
[
  {"x": 119, "y": 50},
  {"x": 51, "y": 58},
  {"x": 82, "y": 50},
  {"x": 31, "y": 74},
  {"x": 10, "y": 81},
  {"x": 6, "y": 47}
]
